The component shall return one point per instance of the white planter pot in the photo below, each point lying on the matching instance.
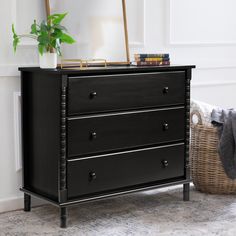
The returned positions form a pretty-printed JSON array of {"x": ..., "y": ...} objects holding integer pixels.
[{"x": 48, "y": 60}]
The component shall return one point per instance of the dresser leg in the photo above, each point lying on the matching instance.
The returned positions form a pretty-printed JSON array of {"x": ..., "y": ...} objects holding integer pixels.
[
  {"x": 186, "y": 190},
  {"x": 64, "y": 213},
  {"x": 27, "y": 202}
]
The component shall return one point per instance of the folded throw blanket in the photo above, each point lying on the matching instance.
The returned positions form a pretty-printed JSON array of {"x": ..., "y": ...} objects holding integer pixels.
[
  {"x": 204, "y": 109},
  {"x": 225, "y": 120}
]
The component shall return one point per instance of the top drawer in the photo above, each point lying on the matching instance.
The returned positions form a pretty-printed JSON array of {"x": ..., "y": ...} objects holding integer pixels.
[{"x": 124, "y": 92}]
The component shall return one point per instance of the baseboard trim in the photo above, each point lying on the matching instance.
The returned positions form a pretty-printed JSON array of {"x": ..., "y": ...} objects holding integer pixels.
[
  {"x": 214, "y": 84},
  {"x": 11, "y": 204},
  {"x": 17, "y": 203}
]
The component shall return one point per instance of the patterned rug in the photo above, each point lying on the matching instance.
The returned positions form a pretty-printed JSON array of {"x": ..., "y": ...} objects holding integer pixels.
[{"x": 160, "y": 212}]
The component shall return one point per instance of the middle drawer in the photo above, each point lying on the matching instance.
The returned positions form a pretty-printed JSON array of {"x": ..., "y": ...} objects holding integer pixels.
[{"x": 102, "y": 133}]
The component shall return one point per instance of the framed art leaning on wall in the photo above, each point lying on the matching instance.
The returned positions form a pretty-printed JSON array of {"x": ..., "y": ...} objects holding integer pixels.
[{"x": 99, "y": 27}]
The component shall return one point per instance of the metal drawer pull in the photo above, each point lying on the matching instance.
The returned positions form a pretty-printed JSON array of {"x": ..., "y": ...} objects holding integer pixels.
[
  {"x": 92, "y": 176},
  {"x": 165, "y": 90},
  {"x": 93, "y": 95},
  {"x": 165, "y": 126},
  {"x": 93, "y": 135},
  {"x": 165, "y": 163}
]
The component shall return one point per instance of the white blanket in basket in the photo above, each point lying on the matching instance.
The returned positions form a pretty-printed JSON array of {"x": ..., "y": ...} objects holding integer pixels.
[{"x": 204, "y": 109}]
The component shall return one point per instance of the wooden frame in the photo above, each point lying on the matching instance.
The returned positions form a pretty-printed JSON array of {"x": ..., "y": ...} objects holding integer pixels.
[{"x": 127, "y": 51}]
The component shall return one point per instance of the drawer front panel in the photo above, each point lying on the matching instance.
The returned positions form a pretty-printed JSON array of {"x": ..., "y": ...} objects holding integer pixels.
[
  {"x": 109, "y": 93},
  {"x": 117, "y": 171},
  {"x": 112, "y": 132}
]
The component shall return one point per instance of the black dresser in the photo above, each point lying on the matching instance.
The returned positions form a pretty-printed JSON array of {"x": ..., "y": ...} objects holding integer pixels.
[{"x": 102, "y": 132}]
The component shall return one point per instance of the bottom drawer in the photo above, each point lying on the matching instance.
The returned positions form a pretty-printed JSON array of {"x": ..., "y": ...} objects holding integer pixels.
[{"x": 114, "y": 171}]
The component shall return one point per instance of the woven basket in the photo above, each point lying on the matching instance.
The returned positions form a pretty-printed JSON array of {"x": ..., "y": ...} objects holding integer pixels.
[{"x": 206, "y": 168}]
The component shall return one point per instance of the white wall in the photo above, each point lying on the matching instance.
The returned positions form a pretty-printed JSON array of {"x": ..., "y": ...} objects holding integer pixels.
[{"x": 193, "y": 32}]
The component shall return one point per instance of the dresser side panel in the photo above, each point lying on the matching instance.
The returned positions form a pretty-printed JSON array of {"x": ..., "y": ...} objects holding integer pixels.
[{"x": 41, "y": 132}]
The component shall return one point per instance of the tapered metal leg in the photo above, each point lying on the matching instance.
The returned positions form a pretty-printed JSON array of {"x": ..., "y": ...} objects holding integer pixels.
[
  {"x": 186, "y": 190},
  {"x": 64, "y": 214},
  {"x": 27, "y": 202}
]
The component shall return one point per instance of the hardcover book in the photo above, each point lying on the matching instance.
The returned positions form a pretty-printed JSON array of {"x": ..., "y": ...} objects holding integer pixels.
[
  {"x": 164, "y": 55},
  {"x": 153, "y": 59},
  {"x": 152, "y": 63}
]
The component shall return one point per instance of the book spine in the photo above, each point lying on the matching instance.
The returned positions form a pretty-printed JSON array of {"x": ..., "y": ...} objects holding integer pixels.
[
  {"x": 153, "y": 63},
  {"x": 151, "y": 55},
  {"x": 153, "y": 59}
]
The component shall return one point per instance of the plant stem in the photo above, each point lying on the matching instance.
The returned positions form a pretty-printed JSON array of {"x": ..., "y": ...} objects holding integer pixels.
[{"x": 28, "y": 36}]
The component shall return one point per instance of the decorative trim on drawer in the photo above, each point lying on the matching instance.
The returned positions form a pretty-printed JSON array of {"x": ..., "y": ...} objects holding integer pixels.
[
  {"x": 131, "y": 151},
  {"x": 122, "y": 75},
  {"x": 119, "y": 193},
  {"x": 124, "y": 113}
]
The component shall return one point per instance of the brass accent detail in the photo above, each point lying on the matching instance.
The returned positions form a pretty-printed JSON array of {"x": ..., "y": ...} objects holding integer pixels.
[{"x": 81, "y": 64}]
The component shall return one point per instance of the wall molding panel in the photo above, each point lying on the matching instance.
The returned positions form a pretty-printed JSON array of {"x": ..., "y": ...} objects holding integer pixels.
[
  {"x": 201, "y": 43},
  {"x": 215, "y": 67},
  {"x": 17, "y": 130},
  {"x": 9, "y": 70},
  {"x": 139, "y": 43},
  {"x": 24, "y": 42},
  {"x": 213, "y": 84}
]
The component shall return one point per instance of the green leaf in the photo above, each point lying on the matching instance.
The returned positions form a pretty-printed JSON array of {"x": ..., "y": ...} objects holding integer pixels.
[
  {"x": 41, "y": 48},
  {"x": 60, "y": 27},
  {"x": 34, "y": 28},
  {"x": 53, "y": 16},
  {"x": 57, "y": 18},
  {"x": 16, "y": 38},
  {"x": 50, "y": 34},
  {"x": 43, "y": 39},
  {"x": 15, "y": 43},
  {"x": 43, "y": 27},
  {"x": 65, "y": 38},
  {"x": 57, "y": 33},
  {"x": 13, "y": 29},
  {"x": 56, "y": 44}
]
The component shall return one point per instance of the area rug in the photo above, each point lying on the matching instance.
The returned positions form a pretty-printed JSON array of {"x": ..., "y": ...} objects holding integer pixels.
[{"x": 158, "y": 213}]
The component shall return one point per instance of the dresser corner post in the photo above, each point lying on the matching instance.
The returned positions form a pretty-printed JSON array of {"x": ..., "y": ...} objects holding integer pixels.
[
  {"x": 186, "y": 186},
  {"x": 27, "y": 202},
  {"x": 62, "y": 175},
  {"x": 63, "y": 217}
]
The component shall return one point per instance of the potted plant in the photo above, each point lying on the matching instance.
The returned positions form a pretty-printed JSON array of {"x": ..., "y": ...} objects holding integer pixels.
[{"x": 50, "y": 35}]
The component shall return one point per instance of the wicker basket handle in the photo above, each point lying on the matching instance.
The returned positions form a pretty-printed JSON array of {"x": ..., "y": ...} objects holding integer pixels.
[{"x": 196, "y": 113}]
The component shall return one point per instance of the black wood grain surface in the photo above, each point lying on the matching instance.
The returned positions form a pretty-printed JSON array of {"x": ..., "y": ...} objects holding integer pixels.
[
  {"x": 124, "y": 92},
  {"x": 87, "y": 135},
  {"x": 126, "y": 169},
  {"x": 97, "y": 130}
]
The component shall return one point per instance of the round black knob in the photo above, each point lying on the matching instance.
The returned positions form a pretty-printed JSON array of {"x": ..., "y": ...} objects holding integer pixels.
[
  {"x": 165, "y": 163},
  {"x": 165, "y": 126},
  {"x": 93, "y": 135},
  {"x": 93, "y": 95},
  {"x": 165, "y": 90},
  {"x": 92, "y": 176}
]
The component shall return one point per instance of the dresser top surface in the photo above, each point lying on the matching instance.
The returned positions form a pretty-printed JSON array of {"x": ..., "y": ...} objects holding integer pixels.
[{"x": 109, "y": 69}]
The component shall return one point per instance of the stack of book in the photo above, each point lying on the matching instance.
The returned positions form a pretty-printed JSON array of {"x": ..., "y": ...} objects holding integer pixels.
[{"x": 152, "y": 59}]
